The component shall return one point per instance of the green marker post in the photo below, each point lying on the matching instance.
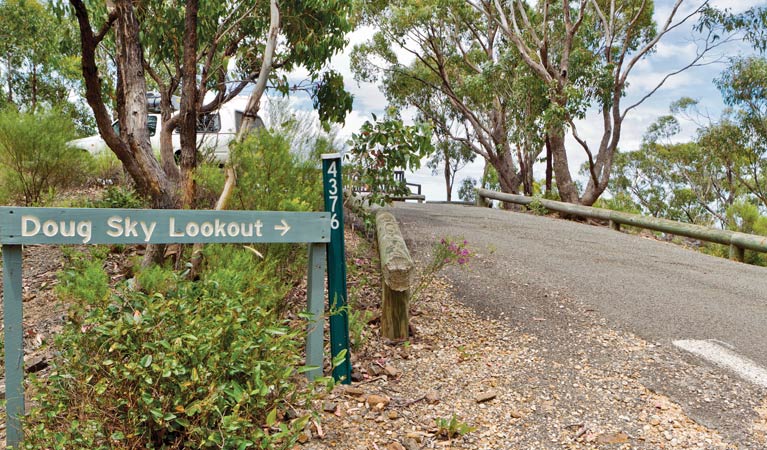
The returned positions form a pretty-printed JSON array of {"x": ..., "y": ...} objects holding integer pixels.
[{"x": 339, "y": 319}]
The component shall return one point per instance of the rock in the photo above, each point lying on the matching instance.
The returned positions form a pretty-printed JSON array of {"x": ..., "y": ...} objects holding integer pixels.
[
  {"x": 391, "y": 371},
  {"x": 375, "y": 370},
  {"x": 329, "y": 407},
  {"x": 612, "y": 438},
  {"x": 303, "y": 438},
  {"x": 516, "y": 414},
  {"x": 416, "y": 436},
  {"x": 354, "y": 391},
  {"x": 375, "y": 400},
  {"x": 395, "y": 446},
  {"x": 357, "y": 375},
  {"x": 410, "y": 444},
  {"x": 655, "y": 421},
  {"x": 485, "y": 396},
  {"x": 393, "y": 414},
  {"x": 432, "y": 397}
]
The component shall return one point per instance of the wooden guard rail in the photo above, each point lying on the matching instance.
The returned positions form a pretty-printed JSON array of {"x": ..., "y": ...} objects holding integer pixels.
[{"x": 737, "y": 241}]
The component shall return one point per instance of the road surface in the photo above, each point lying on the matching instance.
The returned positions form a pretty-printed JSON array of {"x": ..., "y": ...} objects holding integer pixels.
[{"x": 703, "y": 310}]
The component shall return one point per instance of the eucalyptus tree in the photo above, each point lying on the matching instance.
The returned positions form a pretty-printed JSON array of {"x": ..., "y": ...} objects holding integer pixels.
[
  {"x": 448, "y": 61},
  {"x": 450, "y": 156},
  {"x": 744, "y": 86},
  {"x": 584, "y": 52},
  {"x": 38, "y": 63},
  {"x": 167, "y": 44}
]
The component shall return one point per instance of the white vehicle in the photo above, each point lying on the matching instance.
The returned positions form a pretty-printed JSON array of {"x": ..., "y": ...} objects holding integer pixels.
[{"x": 214, "y": 131}]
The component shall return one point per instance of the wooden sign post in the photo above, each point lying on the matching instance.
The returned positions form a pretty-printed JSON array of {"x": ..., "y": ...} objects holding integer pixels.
[{"x": 19, "y": 226}]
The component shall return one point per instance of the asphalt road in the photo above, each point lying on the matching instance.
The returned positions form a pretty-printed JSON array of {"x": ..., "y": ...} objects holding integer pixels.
[{"x": 659, "y": 291}]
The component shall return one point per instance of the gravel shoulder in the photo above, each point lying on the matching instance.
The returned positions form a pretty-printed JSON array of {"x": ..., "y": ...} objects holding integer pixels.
[{"x": 529, "y": 367}]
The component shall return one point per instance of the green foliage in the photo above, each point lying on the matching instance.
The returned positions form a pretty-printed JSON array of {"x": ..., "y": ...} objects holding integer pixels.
[
  {"x": 751, "y": 22},
  {"x": 331, "y": 100},
  {"x": 468, "y": 190},
  {"x": 209, "y": 179},
  {"x": 34, "y": 157},
  {"x": 745, "y": 217},
  {"x": 620, "y": 201},
  {"x": 176, "y": 364},
  {"x": 536, "y": 207},
  {"x": 380, "y": 148},
  {"x": 118, "y": 196},
  {"x": 452, "y": 427},
  {"x": 272, "y": 178}
]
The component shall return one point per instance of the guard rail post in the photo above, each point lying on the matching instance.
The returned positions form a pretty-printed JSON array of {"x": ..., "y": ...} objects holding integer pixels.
[
  {"x": 479, "y": 199},
  {"x": 397, "y": 269},
  {"x": 737, "y": 253}
]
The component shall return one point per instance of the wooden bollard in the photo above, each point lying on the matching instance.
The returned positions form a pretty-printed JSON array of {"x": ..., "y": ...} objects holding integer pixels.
[{"x": 397, "y": 269}]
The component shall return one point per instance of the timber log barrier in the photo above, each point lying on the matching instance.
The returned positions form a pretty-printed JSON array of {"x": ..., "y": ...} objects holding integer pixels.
[{"x": 737, "y": 241}]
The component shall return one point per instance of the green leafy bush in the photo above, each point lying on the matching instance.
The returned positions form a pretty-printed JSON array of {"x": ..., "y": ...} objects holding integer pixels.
[
  {"x": 271, "y": 178},
  {"x": 380, "y": 148},
  {"x": 107, "y": 168},
  {"x": 34, "y": 157},
  {"x": 210, "y": 181},
  {"x": 176, "y": 364},
  {"x": 117, "y": 196},
  {"x": 536, "y": 206}
]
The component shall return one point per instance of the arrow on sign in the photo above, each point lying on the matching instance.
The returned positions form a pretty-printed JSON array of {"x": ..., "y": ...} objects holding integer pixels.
[{"x": 284, "y": 227}]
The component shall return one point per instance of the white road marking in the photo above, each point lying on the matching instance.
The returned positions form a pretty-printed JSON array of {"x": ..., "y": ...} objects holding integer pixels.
[{"x": 726, "y": 358}]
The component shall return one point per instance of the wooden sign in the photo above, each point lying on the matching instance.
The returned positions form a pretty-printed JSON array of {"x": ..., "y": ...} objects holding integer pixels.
[{"x": 158, "y": 226}]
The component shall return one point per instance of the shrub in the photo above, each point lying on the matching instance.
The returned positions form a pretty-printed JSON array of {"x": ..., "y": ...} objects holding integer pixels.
[
  {"x": 177, "y": 364},
  {"x": 619, "y": 202},
  {"x": 210, "y": 181},
  {"x": 34, "y": 157},
  {"x": 271, "y": 178},
  {"x": 107, "y": 169},
  {"x": 117, "y": 196}
]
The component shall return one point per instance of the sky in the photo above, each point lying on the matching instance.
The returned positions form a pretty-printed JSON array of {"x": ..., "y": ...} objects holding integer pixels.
[{"x": 672, "y": 52}]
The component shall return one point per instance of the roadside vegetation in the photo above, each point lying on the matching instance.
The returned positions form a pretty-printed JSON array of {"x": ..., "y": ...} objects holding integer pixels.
[
  {"x": 165, "y": 358},
  {"x": 159, "y": 360}
]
